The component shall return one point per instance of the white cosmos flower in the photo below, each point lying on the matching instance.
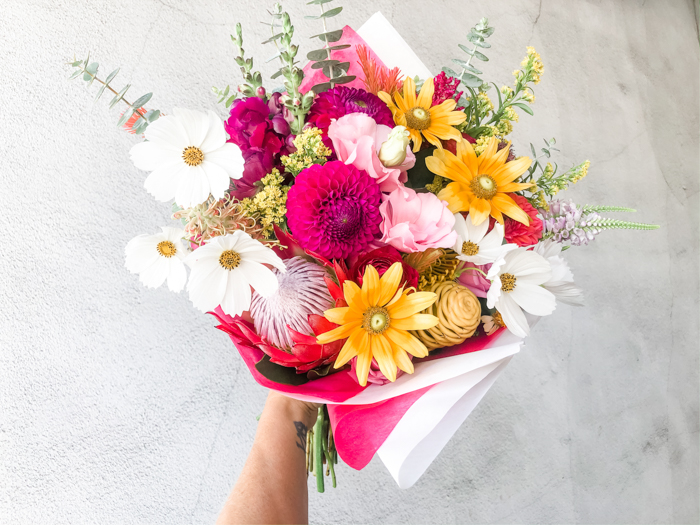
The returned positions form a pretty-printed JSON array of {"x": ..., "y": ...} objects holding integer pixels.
[
  {"x": 158, "y": 257},
  {"x": 561, "y": 284},
  {"x": 476, "y": 246},
  {"x": 516, "y": 286},
  {"x": 188, "y": 157},
  {"x": 224, "y": 269}
]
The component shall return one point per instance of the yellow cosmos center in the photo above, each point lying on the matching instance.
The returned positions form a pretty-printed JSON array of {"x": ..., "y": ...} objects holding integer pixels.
[
  {"x": 192, "y": 156},
  {"x": 418, "y": 118},
  {"x": 484, "y": 186},
  {"x": 166, "y": 249},
  {"x": 508, "y": 282},
  {"x": 229, "y": 259},
  {"x": 469, "y": 248},
  {"x": 376, "y": 320}
]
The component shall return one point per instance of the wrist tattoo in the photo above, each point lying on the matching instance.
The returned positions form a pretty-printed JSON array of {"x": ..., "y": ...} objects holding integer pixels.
[{"x": 302, "y": 430}]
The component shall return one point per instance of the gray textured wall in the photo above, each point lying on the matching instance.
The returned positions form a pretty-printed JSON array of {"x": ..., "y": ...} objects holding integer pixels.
[{"x": 120, "y": 404}]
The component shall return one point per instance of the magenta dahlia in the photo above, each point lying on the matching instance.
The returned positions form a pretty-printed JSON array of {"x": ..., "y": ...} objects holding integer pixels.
[
  {"x": 333, "y": 209},
  {"x": 341, "y": 101}
]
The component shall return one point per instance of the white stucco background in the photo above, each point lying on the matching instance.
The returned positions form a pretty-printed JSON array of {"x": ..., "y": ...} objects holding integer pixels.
[{"x": 120, "y": 404}]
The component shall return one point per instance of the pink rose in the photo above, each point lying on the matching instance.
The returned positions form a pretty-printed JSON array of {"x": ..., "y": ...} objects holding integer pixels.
[
  {"x": 475, "y": 281},
  {"x": 357, "y": 139},
  {"x": 413, "y": 222}
]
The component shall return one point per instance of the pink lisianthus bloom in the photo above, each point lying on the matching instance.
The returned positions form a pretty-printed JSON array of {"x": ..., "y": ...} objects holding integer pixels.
[
  {"x": 475, "y": 281},
  {"x": 413, "y": 222},
  {"x": 357, "y": 139}
]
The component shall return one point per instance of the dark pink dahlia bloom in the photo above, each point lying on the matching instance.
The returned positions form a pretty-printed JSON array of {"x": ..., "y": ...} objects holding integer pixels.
[
  {"x": 445, "y": 88},
  {"x": 341, "y": 101},
  {"x": 333, "y": 209}
]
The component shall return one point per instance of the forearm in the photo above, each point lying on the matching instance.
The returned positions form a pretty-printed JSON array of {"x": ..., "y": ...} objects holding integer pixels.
[{"x": 272, "y": 487}]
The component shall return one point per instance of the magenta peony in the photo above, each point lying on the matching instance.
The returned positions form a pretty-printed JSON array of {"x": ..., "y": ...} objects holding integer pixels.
[
  {"x": 333, "y": 209},
  {"x": 357, "y": 139},
  {"x": 413, "y": 222},
  {"x": 341, "y": 101}
]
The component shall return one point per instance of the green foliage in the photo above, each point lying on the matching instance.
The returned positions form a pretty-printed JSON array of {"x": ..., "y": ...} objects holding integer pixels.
[
  {"x": 89, "y": 70},
  {"x": 469, "y": 75},
  {"x": 597, "y": 208},
  {"x": 602, "y": 223},
  {"x": 335, "y": 71},
  {"x": 282, "y": 32},
  {"x": 252, "y": 80}
]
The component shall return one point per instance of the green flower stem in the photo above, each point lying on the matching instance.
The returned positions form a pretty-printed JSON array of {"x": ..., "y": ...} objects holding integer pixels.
[
  {"x": 326, "y": 46},
  {"x": 318, "y": 450},
  {"x": 475, "y": 269}
]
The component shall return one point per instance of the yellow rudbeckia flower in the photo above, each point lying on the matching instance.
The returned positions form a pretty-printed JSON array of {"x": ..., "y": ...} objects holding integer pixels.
[
  {"x": 481, "y": 184},
  {"x": 420, "y": 117},
  {"x": 377, "y": 321}
]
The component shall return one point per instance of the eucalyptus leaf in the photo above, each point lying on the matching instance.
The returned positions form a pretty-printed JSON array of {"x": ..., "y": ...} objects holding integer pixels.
[
  {"x": 139, "y": 102},
  {"x": 273, "y": 57},
  {"x": 273, "y": 38},
  {"x": 111, "y": 76},
  {"x": 484, "y": 45},
  {"x": 75, "y": 74},
  {"x": 320, "y": 88},
  {"x": 344, "y": 79},
  {"x": 318, "y": 2},
  {"x": 470, "y": 80},
  {"x": 100, "y": 91},
  {"x": 324, "y": 63},
  {"x": 449, "y": 72},
  {"x": 320, "y": 54},
  {"x": 331, "y": 36},
  {"x": 152, "y": 115},
  {"x": 90, "y": 71},
  {"x": 125, "y": 116},
  {"x": 119, "y": 96},
  {"x": 140, "y": 126},
  {"x": 480, "y": 56},
  {"x": 332, "y": 12},
  {"x": 276, "y": 75}
]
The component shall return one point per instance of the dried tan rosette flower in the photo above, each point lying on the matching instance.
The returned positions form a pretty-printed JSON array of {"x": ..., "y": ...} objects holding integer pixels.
[
  {"x": 458, "y": 312},
  {"x": 214, "y": 218}
]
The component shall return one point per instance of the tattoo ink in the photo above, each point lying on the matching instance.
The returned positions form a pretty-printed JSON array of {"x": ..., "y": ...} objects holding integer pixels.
[{"x": 302, "y": 430}]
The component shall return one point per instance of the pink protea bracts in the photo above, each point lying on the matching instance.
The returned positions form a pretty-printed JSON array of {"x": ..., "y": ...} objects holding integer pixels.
[{"x": 333, "y": 209}]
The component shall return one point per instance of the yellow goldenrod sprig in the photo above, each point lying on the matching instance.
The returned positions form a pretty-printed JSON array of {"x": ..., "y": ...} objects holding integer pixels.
[
  {"x": 269, "y": 205},
  {"x": 310, "y": 150}
]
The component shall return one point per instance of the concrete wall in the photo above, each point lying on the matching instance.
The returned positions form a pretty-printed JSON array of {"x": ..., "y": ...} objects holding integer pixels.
[{"x": 120, "y": 404}]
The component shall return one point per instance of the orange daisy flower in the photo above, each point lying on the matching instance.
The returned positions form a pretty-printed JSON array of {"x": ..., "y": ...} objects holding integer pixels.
[{"x": 481, "y": 184}]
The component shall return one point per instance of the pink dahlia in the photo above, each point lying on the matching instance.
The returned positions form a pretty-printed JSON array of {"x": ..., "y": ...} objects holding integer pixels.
[
  {"x": 516, "y": 232},
  {"x": 333, "y": 209},
  {"x": 341, "y": 101}
]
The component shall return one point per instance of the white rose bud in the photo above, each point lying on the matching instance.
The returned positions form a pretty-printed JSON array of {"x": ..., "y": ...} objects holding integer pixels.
[{"x": 393, "y": 151}]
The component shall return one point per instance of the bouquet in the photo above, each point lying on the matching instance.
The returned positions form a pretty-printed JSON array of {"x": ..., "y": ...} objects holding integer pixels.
[{"x": 366, "y": 234}]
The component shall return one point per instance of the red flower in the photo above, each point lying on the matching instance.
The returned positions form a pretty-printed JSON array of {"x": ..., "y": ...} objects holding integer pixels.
[
  {"x": 382, "y": 259},
  {"x": 305, "y": 355},
  {"x": 516, "y": 232}
]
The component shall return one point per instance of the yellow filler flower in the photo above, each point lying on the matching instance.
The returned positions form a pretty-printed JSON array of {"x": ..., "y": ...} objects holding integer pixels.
[
  {"x": 419, "y": 116},
  {"x": 481, "y": 184},
  {"x": 377, "y": 321}
]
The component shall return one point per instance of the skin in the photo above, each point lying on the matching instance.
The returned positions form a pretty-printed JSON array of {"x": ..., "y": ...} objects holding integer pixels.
[{"x": 272, "y": 486}]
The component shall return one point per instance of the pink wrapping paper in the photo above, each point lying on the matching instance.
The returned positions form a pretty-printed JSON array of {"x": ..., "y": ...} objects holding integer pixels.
[{"x": 316, "y": 76}]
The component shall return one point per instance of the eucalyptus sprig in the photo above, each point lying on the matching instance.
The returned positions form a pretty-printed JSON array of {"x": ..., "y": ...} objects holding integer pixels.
[
  {"x": 546, "y": 152},
  {"x": 88, "y": 70},
  {"x": 334, "y": 70},
  {"x": 296, "y": 103},
  {"x": 477, "y": 37}
]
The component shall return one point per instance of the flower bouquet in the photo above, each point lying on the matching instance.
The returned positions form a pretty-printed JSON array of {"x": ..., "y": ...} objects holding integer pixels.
[{"x": 366, "y": 234}]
